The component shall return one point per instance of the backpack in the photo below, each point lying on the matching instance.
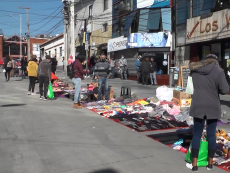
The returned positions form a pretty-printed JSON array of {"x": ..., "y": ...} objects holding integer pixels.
[
  {"x": 70, "y": 71},
  {"x": 9, "y": 64}
]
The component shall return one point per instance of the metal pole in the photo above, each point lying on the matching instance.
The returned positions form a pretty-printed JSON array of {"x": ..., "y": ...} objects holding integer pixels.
[
  {"x": 68, "y": 42},
  {"x": 28, "y": 33},
  {"x": 20, "y": 36},
  {"x": 9, "y": 50},
  {"x": 72, "y": 28},
  {"x": 65, "y": 47}
]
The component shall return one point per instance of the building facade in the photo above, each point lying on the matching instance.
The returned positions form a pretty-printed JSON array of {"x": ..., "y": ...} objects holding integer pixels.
[
  {"x": 54, "y": 47},
  {"x": 145, "y": 27},
  {"x": 93, "y": 26},
  {"x": 201, "y": 29},
  {"x": 35, "y": 45}
]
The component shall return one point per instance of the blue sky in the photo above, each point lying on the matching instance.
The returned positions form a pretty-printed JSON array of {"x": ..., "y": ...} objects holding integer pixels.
[{"x": 44, "y": 16}]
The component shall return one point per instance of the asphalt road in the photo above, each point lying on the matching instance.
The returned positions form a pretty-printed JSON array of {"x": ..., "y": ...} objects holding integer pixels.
[{"x": 51, "y": 137}]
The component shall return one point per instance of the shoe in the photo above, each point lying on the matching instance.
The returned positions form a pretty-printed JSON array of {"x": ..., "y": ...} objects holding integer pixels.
[
  {"x": 29, "y": 93},
  {"x": 41, "y": 97},
  {"x": 33, "y": 94},
  {"x": 189, "y": 166},
  {"x": 79, "y": 104},
  {"x": 76, "y": 106},
  {"x": 45, "y": 98},
  {"x": 209, "y": 167}
]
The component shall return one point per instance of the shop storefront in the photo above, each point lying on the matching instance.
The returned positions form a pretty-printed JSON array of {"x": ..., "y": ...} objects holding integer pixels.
[{"x": 210, "y": 34}]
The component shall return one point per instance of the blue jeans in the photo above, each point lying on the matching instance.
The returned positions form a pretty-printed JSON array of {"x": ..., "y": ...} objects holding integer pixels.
[
  {"x": 103, "y": 83},
  {"x": 77, "y": 83},
  {"x": 197, "y": 134},
  {"x": 153, "y": 77}
]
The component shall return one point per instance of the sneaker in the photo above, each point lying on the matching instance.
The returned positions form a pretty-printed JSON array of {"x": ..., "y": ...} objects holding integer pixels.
[
  {"x": 189, "y": 166},
  {"x": 41, "y": 97},
  {"x": 29, "y": 93},
  {"x": 44, "y": 99},
  {"x": 209, "y": 167},
  {"x": 33, "y": 94}
]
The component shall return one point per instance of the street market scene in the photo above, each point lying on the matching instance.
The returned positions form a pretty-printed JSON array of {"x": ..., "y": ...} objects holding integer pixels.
[{"x": 115, "y": 86}]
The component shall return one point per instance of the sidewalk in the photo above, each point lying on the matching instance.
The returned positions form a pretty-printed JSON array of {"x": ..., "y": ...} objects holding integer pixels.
[{"x": 52, "y": 137}]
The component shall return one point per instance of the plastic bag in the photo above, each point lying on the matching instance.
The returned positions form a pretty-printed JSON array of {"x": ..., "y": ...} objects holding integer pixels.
[
  {"x": 203, "y": 154},
  {"x": 4, "y": 70},
  {"x": 164, "y": 93},
  {"x": 50, "y": 94}
]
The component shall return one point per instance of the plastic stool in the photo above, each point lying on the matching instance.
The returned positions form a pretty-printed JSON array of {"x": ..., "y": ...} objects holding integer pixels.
[{"x": 125, "y": 92}]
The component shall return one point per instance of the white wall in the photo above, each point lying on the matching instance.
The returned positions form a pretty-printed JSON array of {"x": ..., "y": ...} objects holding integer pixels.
[{"x": 56, "y": 44}]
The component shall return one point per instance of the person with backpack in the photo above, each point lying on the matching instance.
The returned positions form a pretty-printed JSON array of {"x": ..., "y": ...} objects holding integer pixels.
[
  {"x": 78, "y": 73},
  {"x": 8, "y": 65},
  {"x": 123, "y": 68},
  {"x": 112, "y": 64}
]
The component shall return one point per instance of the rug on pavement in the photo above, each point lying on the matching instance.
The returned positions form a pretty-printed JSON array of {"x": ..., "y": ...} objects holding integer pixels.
[{"x": 181, "y": 140}]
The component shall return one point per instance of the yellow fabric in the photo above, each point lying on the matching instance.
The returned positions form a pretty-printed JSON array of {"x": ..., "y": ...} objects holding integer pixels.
[{"x": 32, "y": 69}]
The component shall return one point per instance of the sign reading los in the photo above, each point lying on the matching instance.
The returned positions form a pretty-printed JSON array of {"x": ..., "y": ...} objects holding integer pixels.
[{"x": 216, "y": 26}]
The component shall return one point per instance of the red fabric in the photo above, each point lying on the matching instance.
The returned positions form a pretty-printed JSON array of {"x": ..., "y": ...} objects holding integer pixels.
[
  {"x": 53, "y": 76},
  {"x": 77, "y": 66}
]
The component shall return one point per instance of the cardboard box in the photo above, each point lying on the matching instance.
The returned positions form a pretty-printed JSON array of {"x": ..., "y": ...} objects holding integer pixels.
[
  {"x": 181, "y": 95},
  {"x": 182, "y": 102}
]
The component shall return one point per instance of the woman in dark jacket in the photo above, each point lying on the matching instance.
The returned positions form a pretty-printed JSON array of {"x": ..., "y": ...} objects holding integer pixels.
[
  {"x": 145, "y": 70},
  {"x": 8, "y": 65},
  {"x": 209, "y": 81}
]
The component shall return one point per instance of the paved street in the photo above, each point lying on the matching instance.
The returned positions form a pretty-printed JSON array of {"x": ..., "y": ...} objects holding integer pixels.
[{"x": 51, "y": 137}]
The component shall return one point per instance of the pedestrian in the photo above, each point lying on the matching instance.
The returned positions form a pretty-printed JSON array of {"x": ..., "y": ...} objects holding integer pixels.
[
  {"x": 13, "y": 67},
  {"x": 44, "y": 72},
  {"x": 138, "y": 68},
  {"x": 23, "y": 67},
  {"x": 63, "y": 63},
  {"x": 113, "y": 64},
  {"x": 78, "y": 77},
  {"x": 145, "y": 71},
  {"x": 32, "y": 73},
  {"x": 70, "y": 60},
  {"x": 54, "y": 63},
  {"x": 93, "y": 62},
  {"x": 123, "y": 68},
  {"x": 8, "y": 65},
  {"x": 102, "y": 71},
  {"x": 153, "y": 72},
  {"x": 208, "y": 81}
]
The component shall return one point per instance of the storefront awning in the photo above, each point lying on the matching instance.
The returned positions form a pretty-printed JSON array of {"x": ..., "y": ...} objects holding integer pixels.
[{"x": 155, "y": 49}]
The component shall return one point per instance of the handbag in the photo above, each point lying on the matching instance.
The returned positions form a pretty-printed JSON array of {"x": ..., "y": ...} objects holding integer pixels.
[
  {"x": 190, "y": 88},
  {"x": 203, "y": 154},
  {"x": 4, "y": 70}
]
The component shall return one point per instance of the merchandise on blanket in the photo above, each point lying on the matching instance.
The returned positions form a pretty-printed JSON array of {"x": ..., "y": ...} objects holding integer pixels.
[
  {"x": 220, "y": 160},
  {"x": 164, "y": 93},
  {"x": 223, "y": 113},
  {"x": 57, "y": 89},
  {"x": 190, "y": 121},
  {"x": 182, "y": 116},
  {"x": 152, "y": 99}
]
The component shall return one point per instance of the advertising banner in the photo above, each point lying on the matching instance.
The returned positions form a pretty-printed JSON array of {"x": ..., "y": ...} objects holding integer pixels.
[
  {"x": 116, "y": 44},
  {"x": 153, "y": 3},
  {"x": 138, "y": 40}
]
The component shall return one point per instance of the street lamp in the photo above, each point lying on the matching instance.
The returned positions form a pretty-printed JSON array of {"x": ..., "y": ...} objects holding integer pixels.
[{"x": 20, "y": 32}]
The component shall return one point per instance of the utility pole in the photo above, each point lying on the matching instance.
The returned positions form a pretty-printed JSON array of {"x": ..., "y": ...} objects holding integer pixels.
[
  {"x": 86, "y": 43},
  {"x": 66, "y": 16},
  {"x": 20, "y": 36},
  {"x": 28, "y": 30},
  {"x": 72, "y": 28}
]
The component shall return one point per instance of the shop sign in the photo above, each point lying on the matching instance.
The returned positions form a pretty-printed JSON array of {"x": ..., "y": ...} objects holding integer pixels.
[
  {"x": 153, "y": 3},
  {"x": 212, "y": 27},
  {"x": 138, "y": 40},
  {"x": 116, "y": 44}
]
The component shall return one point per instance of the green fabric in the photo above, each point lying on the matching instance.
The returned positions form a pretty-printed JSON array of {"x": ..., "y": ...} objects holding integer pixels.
[
  {"x": 50, "y": 91},
  {"x": 203, "y": 154}
]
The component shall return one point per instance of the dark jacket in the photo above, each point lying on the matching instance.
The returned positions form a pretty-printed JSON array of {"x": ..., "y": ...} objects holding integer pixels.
[
  {"x": 77, "y": 67},
  {"x": 93, "y": 61},
  {"x": 23, "y": 64},
  {"x": 153, "y": 66},
  {"x": 54, "y": 62},
  {"x": 5, "y": 63},
  {"x": 44, "y": 69},
  {"x": 209, "y": 81},
  {"x": 102, "y": 69},
  {"x": 145, "y": 67}
]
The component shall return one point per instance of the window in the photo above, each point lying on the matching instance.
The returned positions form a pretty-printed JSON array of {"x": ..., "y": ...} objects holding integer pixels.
[
  {"x": 106, "y": 5},
  {"x": 36, "y": 47},
  {"x": 60, "y": 51},
  {"x": 182, "y": 11},
  {"x": 90, "y": 11},
  {"x": 105, "y": 27}
]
